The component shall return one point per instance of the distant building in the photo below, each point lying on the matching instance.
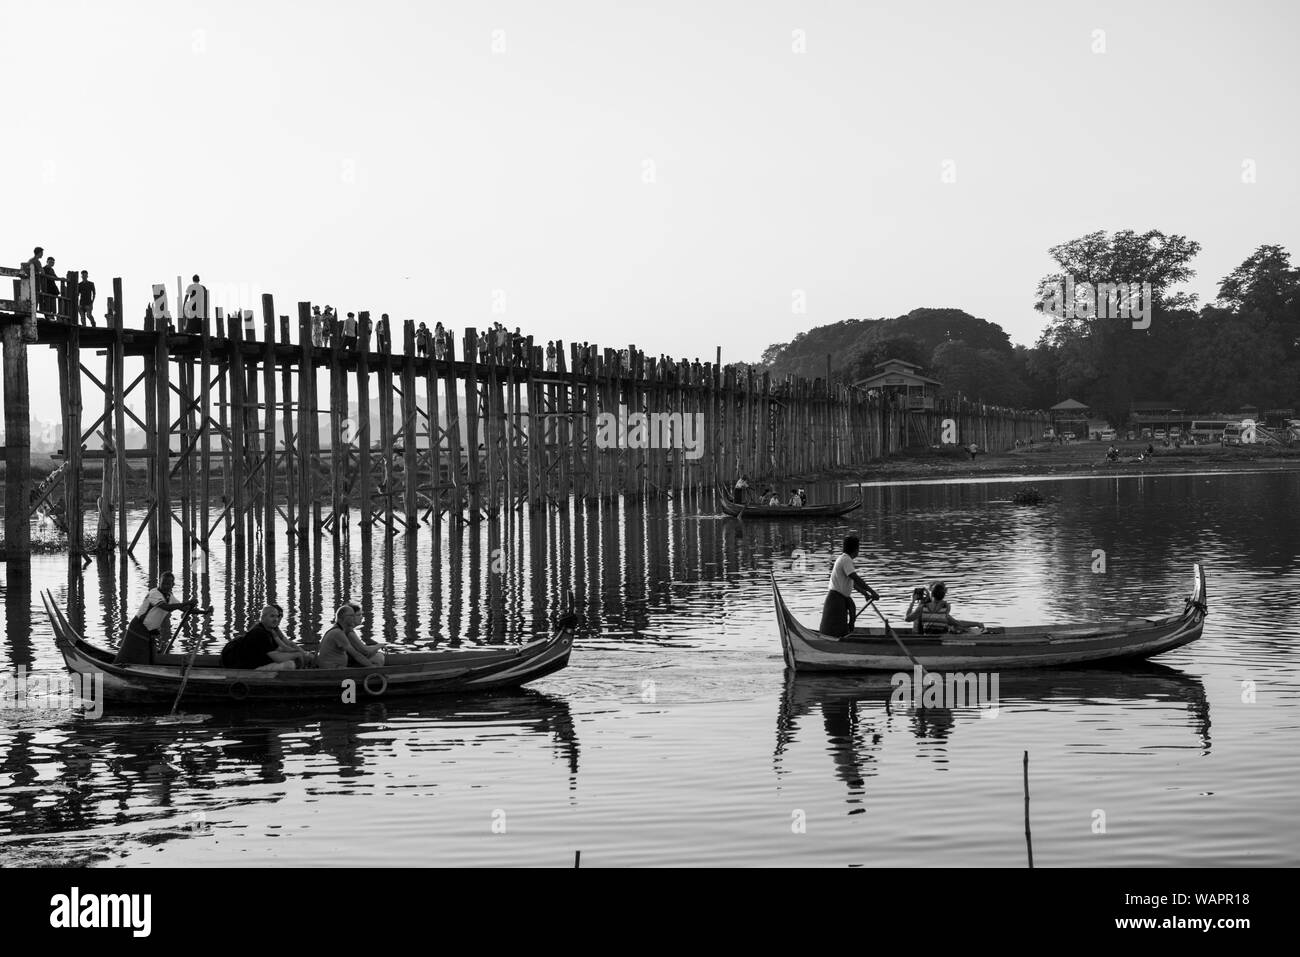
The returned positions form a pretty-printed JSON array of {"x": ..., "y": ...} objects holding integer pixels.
[
  {"x": 1071, "y": 418},
  {"x": 896, "y": 377}
]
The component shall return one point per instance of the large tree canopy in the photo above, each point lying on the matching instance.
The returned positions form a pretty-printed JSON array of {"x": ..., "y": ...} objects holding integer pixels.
[{"x": 1244, "y": 349}]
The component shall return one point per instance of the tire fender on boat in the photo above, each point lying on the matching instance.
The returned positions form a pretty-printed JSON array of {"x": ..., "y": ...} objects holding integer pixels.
[
  {"x": 383, "y": 686},
  {"x": 238, "y": 690}
]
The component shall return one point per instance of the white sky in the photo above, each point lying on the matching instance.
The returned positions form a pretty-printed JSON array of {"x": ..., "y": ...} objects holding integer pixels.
[{"x": 380, "y": 155}]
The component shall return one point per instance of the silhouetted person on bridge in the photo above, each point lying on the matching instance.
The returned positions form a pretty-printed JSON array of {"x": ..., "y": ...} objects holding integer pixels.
[
  {"x": 50, "y": 287},
  {"x": 86, "y": 299}
]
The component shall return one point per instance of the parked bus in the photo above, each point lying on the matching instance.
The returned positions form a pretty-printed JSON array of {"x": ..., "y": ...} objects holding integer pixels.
[
  {"x": 1208, "y": 430},
  {"x": 1239, "y": 433}
]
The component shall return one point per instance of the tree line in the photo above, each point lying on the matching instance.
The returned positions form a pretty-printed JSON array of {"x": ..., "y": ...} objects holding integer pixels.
[{"x": 1242, "y": 349}]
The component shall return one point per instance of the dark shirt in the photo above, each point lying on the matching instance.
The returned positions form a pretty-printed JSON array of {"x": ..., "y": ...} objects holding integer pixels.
[
  {"x": 50, "y": 280},
  {"x": 86, "y": 291},
  {"x": 250, "y": 650}
]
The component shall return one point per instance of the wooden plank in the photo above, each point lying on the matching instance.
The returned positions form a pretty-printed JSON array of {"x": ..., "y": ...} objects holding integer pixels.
[
  {"x": 286, "y": 422},
  {"x": 306, "y": 424},
  {"x": 268, "y": 441},
  {"x": 433, "y": 437},
  {"x": 363, "y": 438},
  {"x": 387, "y": 460},
  {"x": 410, "y": 414},
  {"x": 455, "y": 466},
  {"x": 238, "y": 421},
  {"x": 471, "y": 422},
  {"x": 338, "y": 414},
  {"x": 18, "y": 456},
  {"x": 204, "y": 528},
  {"x": 119, "y": 410}
]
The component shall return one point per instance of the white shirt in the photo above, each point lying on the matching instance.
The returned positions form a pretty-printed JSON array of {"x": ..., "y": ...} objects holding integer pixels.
[
  {"x": 841, "y": 575},
  {"x": 152, "y": 615}
]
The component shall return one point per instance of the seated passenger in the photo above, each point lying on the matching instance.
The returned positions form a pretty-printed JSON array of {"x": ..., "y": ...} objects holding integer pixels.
[
  {"x": 796, "y": 500},
  {"x": 339, "y": 647},
  {"x": 263, "y": 648},
  {"x": 931, "y": 613}
]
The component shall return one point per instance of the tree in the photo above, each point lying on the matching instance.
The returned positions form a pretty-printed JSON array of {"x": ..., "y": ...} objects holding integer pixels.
[
  {"x": 982, "y": 375},
  {"x": 864, "y": 361},
  {"x": 1106, "y": 361}
]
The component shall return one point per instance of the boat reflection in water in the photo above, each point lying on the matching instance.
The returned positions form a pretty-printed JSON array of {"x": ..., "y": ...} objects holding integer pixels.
[
  {"x": 124, "y": 782},
  {"x": 860, "y": 712}
]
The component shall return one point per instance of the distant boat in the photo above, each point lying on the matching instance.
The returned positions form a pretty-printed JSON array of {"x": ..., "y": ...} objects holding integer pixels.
[
  {"x": 404, "y": 673},
  {"x": 1028, "y": 646},
  {"x": 788, "y": 511}
]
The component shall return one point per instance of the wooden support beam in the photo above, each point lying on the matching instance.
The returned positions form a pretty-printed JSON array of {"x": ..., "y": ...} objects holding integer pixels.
[
  {"x": 306, "y": 424},
  {"x": 410, "y": 453},
  {"x": 286, "y": 419},
  {"x": 18, "y": 456},
  {"x": 268, "y": 441},
  {"x": 238, "y": 421},
  {"x": 363, "y": 438}
]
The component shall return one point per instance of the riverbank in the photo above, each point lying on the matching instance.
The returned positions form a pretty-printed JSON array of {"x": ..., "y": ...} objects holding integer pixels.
[{"x": 1072, "y": 459}]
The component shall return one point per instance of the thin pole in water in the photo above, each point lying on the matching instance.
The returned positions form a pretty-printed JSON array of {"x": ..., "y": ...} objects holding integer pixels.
[
  {"x": 1029, "y": 846},
  {"x": 577, "y": 859}
]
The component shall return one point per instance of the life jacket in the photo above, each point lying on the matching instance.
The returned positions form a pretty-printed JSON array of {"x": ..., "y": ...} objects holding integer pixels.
[{"x": 933, "y": 618}]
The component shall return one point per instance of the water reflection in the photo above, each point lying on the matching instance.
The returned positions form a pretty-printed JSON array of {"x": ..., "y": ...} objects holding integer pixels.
[
  {"x": 675, "y": 592},
  {"x": 106, "y": 774},
  {"x": 858, "y": 712}
]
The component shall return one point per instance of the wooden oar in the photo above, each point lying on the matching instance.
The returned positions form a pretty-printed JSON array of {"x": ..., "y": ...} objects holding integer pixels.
[
  {"x": 189, "y": 663},
  {"x": 892, "y": 634},
  {"x": 180, "y": 624}
]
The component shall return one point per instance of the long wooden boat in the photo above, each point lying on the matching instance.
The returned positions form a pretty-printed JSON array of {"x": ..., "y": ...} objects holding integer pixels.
[
  {"x": 1029, "y": 646},
  {"x": 788, "y": 511},
  {"x": 413, "y": 673}
]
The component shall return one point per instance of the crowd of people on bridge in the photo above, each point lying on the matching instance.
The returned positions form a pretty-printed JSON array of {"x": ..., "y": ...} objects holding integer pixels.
[
  {"x": 496, "y": 345},
  {"x": 49, "y": 292}
]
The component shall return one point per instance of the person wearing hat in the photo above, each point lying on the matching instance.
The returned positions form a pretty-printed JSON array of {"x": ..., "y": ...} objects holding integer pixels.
[
  {"x": 931, "y": 613},
  {"x": 838, "y": 611}
]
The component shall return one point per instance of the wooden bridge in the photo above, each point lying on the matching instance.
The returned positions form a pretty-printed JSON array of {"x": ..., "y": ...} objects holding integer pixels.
[{"x": 238, "y": 432}]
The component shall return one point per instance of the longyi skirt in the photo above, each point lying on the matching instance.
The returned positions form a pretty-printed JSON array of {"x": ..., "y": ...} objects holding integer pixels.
[
  {"x": 836, "y": 613},
  {"x": 138, "y": 645}
]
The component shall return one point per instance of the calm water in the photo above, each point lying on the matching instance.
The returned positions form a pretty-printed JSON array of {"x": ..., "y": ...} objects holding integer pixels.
[{"x": 675, "y": 736}]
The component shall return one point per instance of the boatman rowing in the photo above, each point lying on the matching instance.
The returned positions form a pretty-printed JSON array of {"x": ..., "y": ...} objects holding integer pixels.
[
  {"x": 139, "y": 643},
  {"x": 839, "y": 612}
]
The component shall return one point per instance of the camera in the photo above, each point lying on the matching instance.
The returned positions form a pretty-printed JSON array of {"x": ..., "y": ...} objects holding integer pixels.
[{"x": 920, "y": 594}]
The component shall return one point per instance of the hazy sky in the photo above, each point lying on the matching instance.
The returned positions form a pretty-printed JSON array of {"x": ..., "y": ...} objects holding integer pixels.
[{"x": 668, "y": 176}]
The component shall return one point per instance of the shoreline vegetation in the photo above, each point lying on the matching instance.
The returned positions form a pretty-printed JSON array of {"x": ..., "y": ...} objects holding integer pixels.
[{"x": 1030, "y": 461}]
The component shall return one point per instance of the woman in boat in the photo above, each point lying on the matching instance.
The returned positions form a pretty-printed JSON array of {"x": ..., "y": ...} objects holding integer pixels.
[
  {"x": 838, "y": 611},
  {"x": 339, "y": 648},
  {"x": 139, "y": 643},
  {"x": 931, "y": 613},
  {"x": 355, "y": 631},
  {"x": 741, "y": 490}
]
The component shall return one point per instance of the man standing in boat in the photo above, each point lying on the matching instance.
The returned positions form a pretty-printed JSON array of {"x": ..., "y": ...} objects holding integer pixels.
[
  {"x": 839, "y": 612},
  {"x": 140, "y": 642}
]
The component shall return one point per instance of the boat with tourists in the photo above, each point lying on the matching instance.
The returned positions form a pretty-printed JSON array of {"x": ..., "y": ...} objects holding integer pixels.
[{"x": 1022, "y": 646}]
